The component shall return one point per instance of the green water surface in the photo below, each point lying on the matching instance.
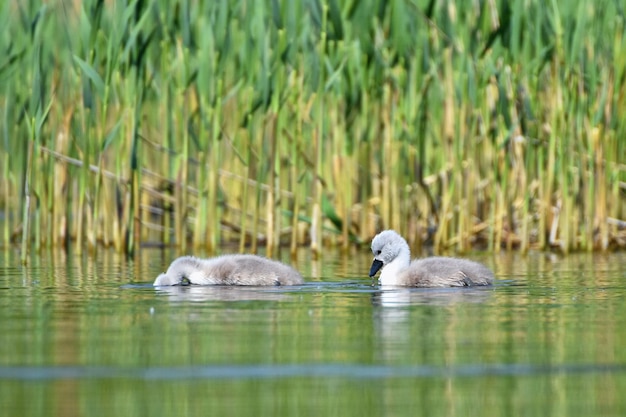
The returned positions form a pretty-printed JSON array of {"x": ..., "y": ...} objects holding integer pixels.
[{"x": 90, "y": 336}]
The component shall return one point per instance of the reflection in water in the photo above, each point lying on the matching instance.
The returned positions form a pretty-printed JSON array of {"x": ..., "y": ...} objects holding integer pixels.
[
  {"x": 221, "y": 293},
  {"x": 393, "y": 315},
  {"x": 399, "y": 297}
]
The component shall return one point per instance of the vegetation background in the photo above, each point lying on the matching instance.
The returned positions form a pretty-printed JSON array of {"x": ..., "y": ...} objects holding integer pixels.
[{"x": 462, "y": 124}]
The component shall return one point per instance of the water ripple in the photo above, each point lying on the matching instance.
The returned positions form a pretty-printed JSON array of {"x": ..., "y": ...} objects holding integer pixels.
[{"x": 355, "y": 371}]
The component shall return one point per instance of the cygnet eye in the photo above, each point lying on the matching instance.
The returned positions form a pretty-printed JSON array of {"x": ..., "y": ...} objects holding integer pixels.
[{"x": 378, "y": 252}]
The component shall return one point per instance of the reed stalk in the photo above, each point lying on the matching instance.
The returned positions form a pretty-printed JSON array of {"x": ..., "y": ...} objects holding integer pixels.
[
  {"x": 295, "y": 167},
  {"x": 256, "y": 203},
  {"x": 270, "y": 228},
  {"x": 26, "y": 210},
  {"x": 182, "y": 168},
  {"x": 7, "y": 194},
  {"x": 245, "y": 143}
]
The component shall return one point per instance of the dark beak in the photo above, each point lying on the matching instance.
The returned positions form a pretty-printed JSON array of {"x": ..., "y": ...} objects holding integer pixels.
[{"x": 376, "y": 265}]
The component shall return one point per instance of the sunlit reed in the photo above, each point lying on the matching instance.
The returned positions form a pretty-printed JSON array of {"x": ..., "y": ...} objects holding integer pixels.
[{"x": 462, "y": 125}]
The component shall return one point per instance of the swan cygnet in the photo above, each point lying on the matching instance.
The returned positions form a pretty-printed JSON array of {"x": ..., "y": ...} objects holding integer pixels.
[
  {"x": 392, "y": 254},
  {"x": 229, "y": 270}
]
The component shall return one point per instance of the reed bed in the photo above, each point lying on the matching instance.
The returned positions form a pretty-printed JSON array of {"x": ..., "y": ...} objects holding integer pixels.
[{"x": 484, "y": 124}]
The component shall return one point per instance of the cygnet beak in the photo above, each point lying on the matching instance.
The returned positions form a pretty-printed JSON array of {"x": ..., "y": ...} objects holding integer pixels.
[{"x": 376, "y": 265}]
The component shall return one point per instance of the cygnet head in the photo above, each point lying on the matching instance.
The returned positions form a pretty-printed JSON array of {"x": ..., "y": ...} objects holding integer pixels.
[
  {"x": 179, "y": 272},
  {"x": 389, "y": 248}
]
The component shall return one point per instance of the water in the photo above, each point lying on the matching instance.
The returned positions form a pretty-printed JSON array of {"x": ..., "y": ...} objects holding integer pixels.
[{"x": 83, "y": 336}]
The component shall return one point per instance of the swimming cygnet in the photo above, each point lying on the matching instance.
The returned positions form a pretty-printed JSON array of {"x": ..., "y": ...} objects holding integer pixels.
[
  {"x": 392, "y": 254},
  {"x": 229, "y": 270}
]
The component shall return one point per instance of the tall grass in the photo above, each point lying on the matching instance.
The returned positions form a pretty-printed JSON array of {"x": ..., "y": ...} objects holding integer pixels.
[{"x": 317, "y": 122}]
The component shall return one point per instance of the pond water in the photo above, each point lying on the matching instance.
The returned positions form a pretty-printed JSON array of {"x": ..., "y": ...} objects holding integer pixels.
[{"x": 90, "y": 336}]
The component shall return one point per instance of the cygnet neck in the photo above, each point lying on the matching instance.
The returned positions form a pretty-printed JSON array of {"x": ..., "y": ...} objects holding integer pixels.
[{"x": 390, "y": 275}]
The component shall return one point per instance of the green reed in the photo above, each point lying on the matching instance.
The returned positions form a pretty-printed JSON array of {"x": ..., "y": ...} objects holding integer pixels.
[{"x": 461, "y": 124}]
